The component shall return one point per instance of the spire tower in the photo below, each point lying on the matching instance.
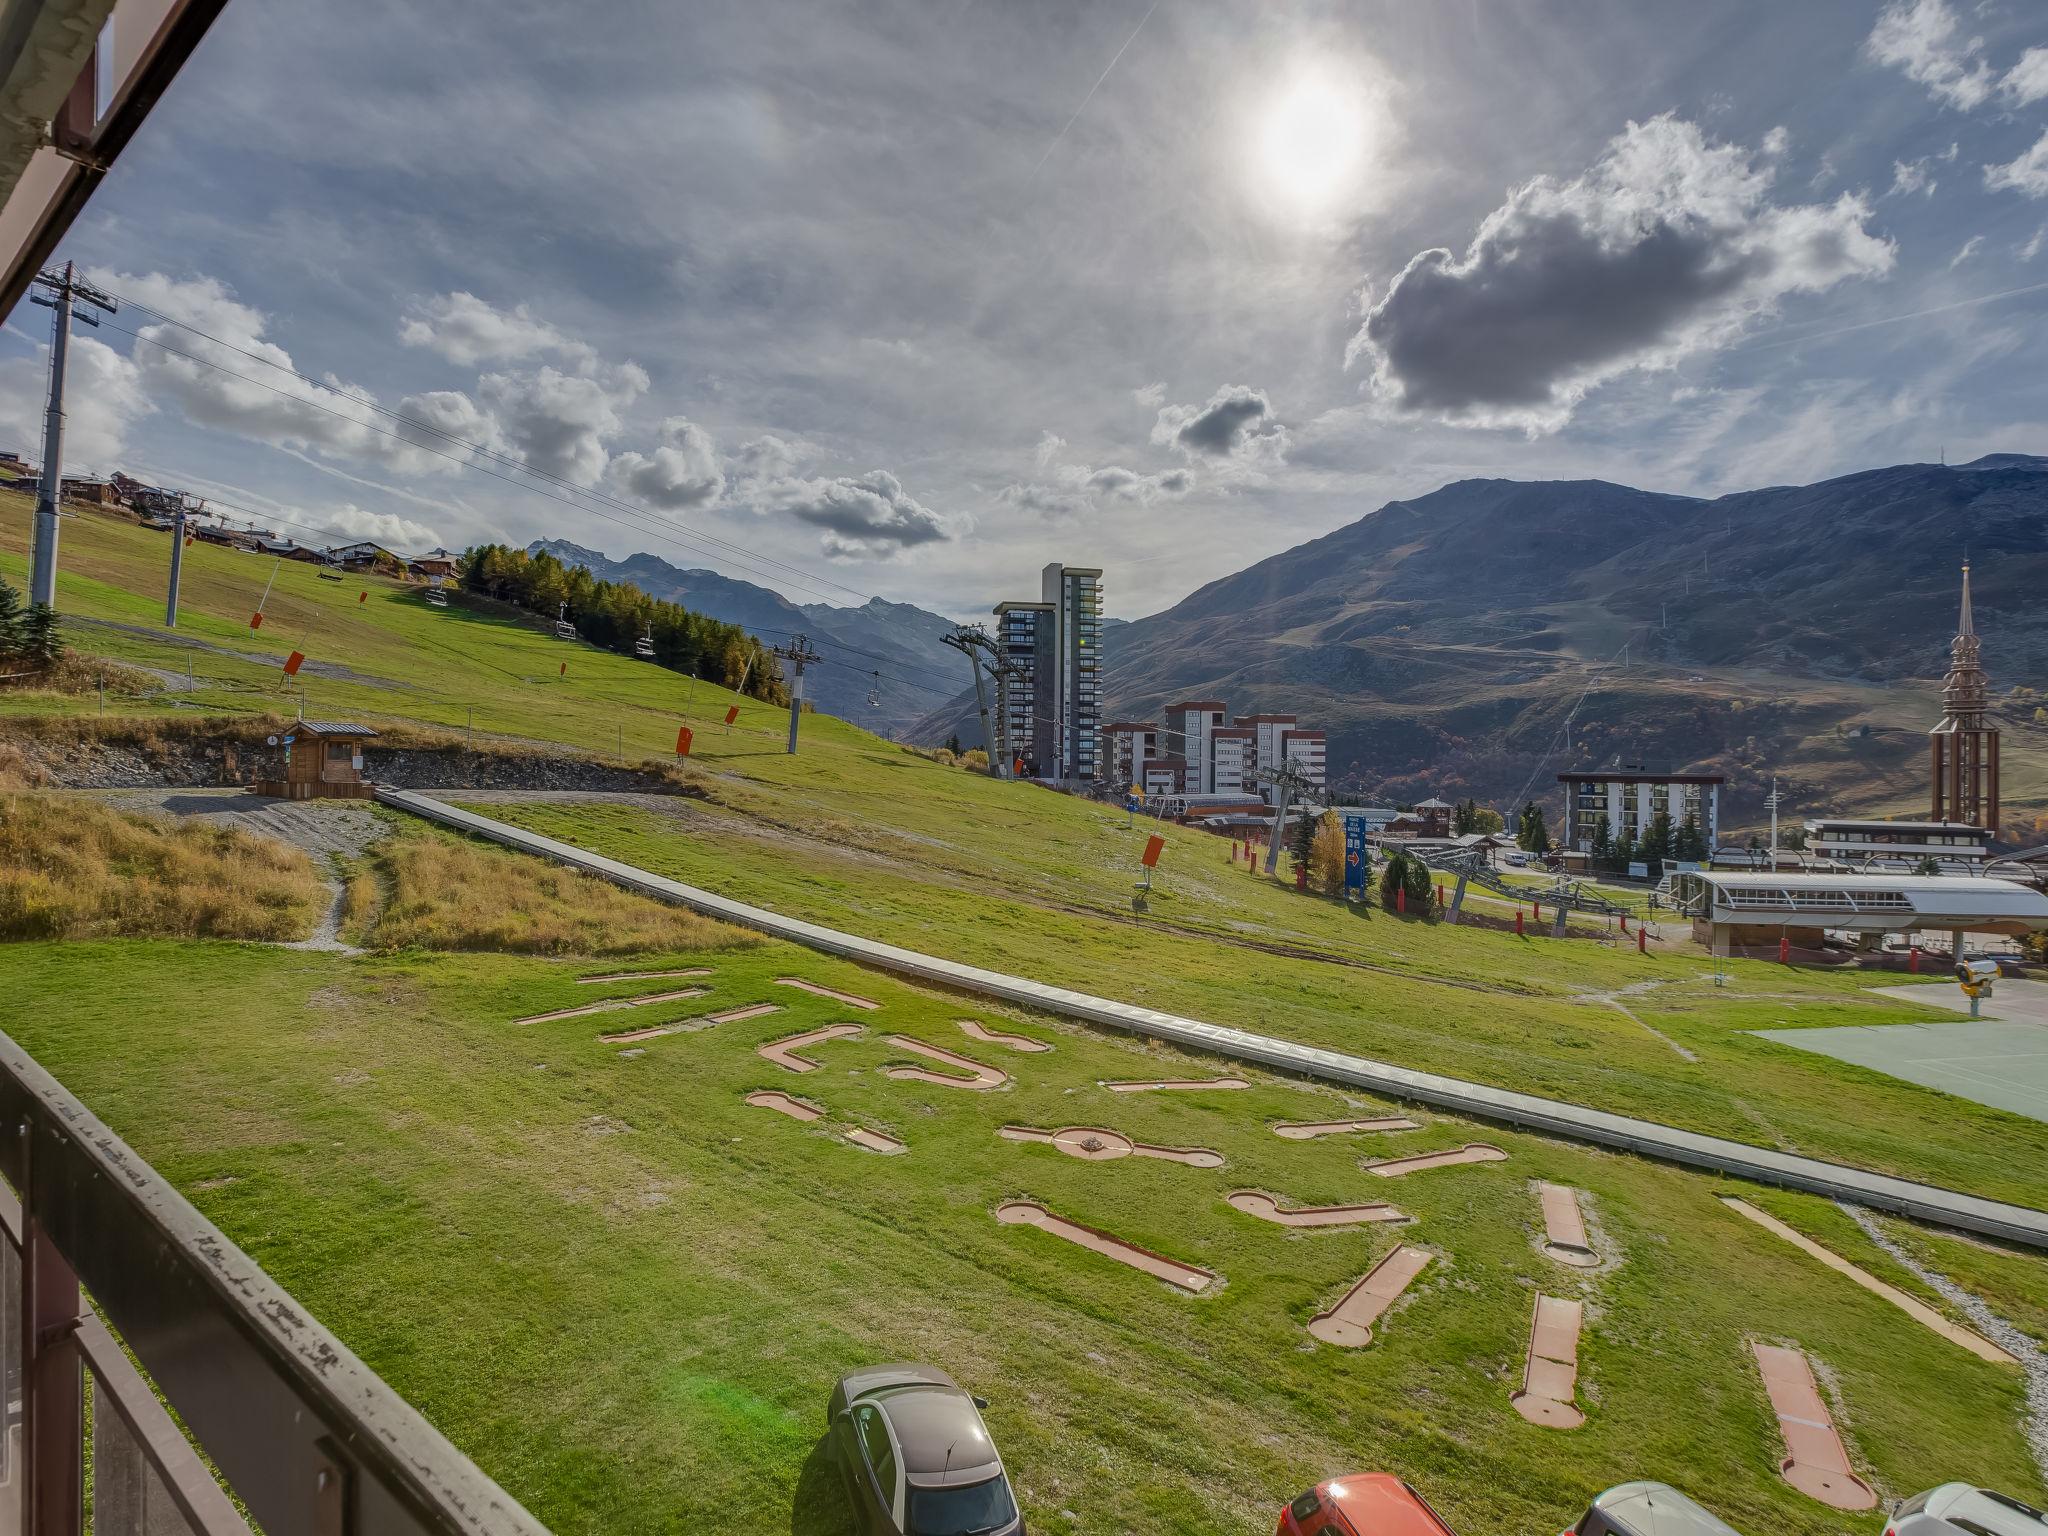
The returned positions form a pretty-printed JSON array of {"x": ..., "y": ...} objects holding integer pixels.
[{"x": 1963, "y": 748}]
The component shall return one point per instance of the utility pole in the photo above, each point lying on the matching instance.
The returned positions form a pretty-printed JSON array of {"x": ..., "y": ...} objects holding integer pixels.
[
  {"x": 1290, "y": 781},
  {"x": 1773, "y": 804},
  {"x": 65, "y": 289},
  {"x": 796, "y": 653},
  {"x": 177, "y": 568}
]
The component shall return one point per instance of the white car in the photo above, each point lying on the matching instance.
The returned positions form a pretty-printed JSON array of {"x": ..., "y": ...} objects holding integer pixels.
[{"x": 1958, "y": 1509}]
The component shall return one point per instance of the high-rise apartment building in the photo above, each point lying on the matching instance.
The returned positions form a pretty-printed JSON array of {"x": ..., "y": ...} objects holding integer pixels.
[
  {"x": 1189, "y": 724},
  {"x": 1053, "y": 697}
]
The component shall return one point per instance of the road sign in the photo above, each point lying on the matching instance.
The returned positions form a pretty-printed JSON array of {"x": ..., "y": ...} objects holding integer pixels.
[{"x": 1354, "y": 854}]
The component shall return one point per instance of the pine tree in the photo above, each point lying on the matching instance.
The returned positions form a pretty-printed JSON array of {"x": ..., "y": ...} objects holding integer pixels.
[
  {"x": 1393, "y": 877},
  {"x": 1689, "y": 845},
  {"x": 1536, "y": 837},
  {"x": 1603, "y": 844},
  {"x": 1420, "y": 885},
  {"x": 13, "y": 621},
  {"x": 953, "y": 743},
  {"x": 1301, "y": 839},
  {"x": 1655, "y": 847},
  {"x": 41, "y": 642}
]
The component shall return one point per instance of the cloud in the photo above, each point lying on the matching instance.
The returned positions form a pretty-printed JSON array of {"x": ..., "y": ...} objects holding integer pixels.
[
  {"x": 866, "y": 516},
  {"x": 1910, "y": 176},
  {"x": 220, "y": 379},
  {"x": 1076, "y": 489},
  {"x": 1236, "y": 422},
  {"x": 400, "y": 534},
  {"x": 2032, "y": 248},
  {"x": 1150, "y": 396},
  {"x": 2027, "y": 174},
  {"x": 2027, "y": 81},
  {"x": 684, "y": 471},
  {"x": 1919, "y": 37},
  {"x": 766, "y": 457},
  {"x": 559, "y": 423},
  {"x": 1050, "y": 446},
  {"x": 1968, "y": 249},
  {"x": 467, "y": 330},
  {"x": 1114, "y": 483},
  {"x": 103, "y": 396},
  {"x": 1665, "y": 247}
]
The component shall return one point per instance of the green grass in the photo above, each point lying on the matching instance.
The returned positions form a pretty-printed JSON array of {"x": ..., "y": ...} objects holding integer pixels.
[{"x": 627, "y": 1294}]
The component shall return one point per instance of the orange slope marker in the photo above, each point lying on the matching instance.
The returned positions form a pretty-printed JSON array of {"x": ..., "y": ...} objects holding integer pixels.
[
  {"x": 1349, "y": 1323},
  {"x": 783, "y": 1104},
  {"x": 976, "y": 1030},
  {"x": 1094, "y": 1144},
  {"x": 1471, "y": 1152},
  {"x": 1912, "y": 1306},
  {"x": 1256, "y": 1202},
  {"x": 1176, "y": 1085},
  {"x": 784, "y": 1052},
  {"x": 1030, "y": 1213},
  {"x": 1550, "y": 1379},
  {"x": 1310, "y": 1129},
  {"x": 1815, "y": 1461},
  {"x": 611, "y": 1004},
  {"x": 817, "y": 991},
  {"x": 1564, "y": 1227},
  {"x": 979, "y": 1077}
]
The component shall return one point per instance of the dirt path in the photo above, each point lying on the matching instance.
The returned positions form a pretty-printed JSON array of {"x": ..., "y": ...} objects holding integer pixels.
[{"x": 326, "y": 829}]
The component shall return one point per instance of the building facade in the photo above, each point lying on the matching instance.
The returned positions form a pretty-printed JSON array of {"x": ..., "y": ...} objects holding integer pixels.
[
  {"x": 1127, "y": 746},
  {"x": 1963, "y": 748},
  {"x": 1900, "y": 845},
  {"x": 1307, "y": 752},
  {"x": 1630, "y": 800},
  {"x": 1025, "y": 634},
  {"x": 1074, "y": 593}
]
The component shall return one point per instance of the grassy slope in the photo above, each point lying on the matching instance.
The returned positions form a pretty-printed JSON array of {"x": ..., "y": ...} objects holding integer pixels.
[
  {"x": 650, "y": 1286},
  {"x": 860, "y": 833}
]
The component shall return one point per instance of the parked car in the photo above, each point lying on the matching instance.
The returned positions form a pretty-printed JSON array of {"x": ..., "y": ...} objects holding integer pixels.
[
  {"x": 915, "y": 1456},
  {"x": 1363, "y": 1504},
  {"x": 1648, "y": 1509},
  {"x": 1955, "y": 1508}
]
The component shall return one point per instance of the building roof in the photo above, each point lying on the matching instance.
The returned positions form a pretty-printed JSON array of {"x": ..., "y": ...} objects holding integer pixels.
[
  {"x": 1637, "y": 776},
  {"x": 1846, "y": 822},
  {"x": 1197, "y": 704},
  {"x": 1267, "y": 719},
  {"x": 1433, "y": 804},
  {"x": 332, "y": 728},
  {"x": 1931, "y": 900},
  {"x": 1301, "y": 735},
  {"x": 1233, "y": 733},
  {"x": 1130, "y": 725}
]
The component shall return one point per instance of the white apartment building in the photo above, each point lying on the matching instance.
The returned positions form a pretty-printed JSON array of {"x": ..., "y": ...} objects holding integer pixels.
[
  {"x": 1306, "y": 750},
  {"x": 1232, "y": 767},
  {"x": 1127, "y": 746},
  {"x": 1075, "y": 595},
  {"x": 1188, "y": 727},
  {"x": 1629, "y": 800}
]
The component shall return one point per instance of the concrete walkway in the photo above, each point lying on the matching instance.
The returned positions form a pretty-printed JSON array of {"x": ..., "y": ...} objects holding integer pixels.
[{"x": 1924, "y": 1202}]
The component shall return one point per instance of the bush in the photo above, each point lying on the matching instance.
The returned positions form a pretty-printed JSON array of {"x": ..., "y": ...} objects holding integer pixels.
[
  {"x": 1326, "y": 855},
  {"x": 1393, "y": 877}
]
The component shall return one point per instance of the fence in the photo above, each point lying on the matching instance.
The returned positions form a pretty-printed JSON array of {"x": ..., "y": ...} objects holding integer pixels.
[{"x": 107, "y": 1273}]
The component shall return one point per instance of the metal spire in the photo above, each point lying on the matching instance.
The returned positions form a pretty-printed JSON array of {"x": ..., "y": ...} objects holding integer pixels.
[{"x": 1967, "y": 628}]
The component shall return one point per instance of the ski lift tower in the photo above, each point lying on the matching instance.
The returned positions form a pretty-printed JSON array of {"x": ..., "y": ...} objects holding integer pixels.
[
  {"x": 798, "y": 652},
  {"x": 1291, "y": 782},
  {"x": 967, "y": 640}
]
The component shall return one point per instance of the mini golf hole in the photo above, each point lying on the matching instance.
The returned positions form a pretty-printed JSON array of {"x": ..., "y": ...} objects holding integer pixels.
[
  {"x": 1564, "y": 1227},
  {"x": 817, "y": 991},
  {"x": 1309, "y": 1130},
  {"x": 1186, "y": 1277},
  {"x": 1256, "y": 1202},
  {"x": 783, "y": 1104},
  {"x": 784, "y": 1052},
  {"x": 1550, "y": 1375},
  {"x": 591, "y": 981},
  {"x": 1349, "y": 1323},
  {"x": 976, "y": 1030},
  {"x": 1176, "y": 1085},
  {"x": 612, "y": 1003},
  {"x": 978, "y": 1077},
  {"x": 1471, "y": 1152},
  {"x": 735, "y": 1015},
  {"x": 875, "y": 1141},
  {"x": 1816, "y": 1462},
  {"x": 1096, "y": 1144}
]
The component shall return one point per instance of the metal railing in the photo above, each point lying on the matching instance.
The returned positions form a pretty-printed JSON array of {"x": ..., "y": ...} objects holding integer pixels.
[{"x": 278, "y": 1418}]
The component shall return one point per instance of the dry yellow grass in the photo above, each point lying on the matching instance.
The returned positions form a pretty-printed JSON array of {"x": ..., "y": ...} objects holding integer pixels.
[
  {"x": 449, "y": 894},
  {"x": 71, "y": 868}
]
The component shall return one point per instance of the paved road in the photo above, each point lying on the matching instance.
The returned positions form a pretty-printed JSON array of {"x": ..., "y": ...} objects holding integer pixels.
[
  {"x": 2020, "y": 1001},
  {"x": 1951, "y": 1208}
]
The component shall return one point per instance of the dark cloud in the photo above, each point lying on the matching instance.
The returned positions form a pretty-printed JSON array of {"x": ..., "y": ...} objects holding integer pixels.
[
  {"x": 1665, "y": 247},
  {"x": 867, "y": 515},
  {"x": 1237, "y": 419}
]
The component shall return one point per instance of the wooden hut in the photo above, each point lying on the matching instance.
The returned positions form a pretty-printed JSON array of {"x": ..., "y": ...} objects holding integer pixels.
[{"x": 323, "y": 760}]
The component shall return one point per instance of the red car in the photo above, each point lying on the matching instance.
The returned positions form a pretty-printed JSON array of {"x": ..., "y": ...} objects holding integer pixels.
[{"x": 1364, "y": 1504}]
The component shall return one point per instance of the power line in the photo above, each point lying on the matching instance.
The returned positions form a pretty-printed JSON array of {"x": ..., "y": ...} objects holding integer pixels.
[{"x": 476, "y": 448}]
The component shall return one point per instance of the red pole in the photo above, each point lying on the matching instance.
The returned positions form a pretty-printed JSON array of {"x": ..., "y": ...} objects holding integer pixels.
[
  {"x": 1624, "y": 922},
  {"x": 1401, "y": 898},
  {"x": 1913, "y": 960},
  {"x": 1536, "y": 910},
  {"x": 1642, "y": 941},
  {"x": 1518, "y": 922},
  {"x": 1439, "y": 893},
  {"x": 1784, "y": 950},
  {"x": 1301, "y": 877}
]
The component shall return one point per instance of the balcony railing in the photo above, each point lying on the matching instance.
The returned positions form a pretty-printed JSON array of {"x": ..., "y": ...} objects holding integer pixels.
[{"x": 298, "y": 1431}]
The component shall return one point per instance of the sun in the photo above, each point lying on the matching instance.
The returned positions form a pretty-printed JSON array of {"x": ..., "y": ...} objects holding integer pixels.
[{"x": 1312, "y": 140}]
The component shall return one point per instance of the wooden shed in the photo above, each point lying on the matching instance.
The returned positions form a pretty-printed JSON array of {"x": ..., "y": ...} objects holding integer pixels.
[{"x": 323, "y": 760}]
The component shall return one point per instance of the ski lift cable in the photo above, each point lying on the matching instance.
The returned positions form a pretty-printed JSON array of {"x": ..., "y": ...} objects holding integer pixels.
[{"x": 1563, "y": 735}]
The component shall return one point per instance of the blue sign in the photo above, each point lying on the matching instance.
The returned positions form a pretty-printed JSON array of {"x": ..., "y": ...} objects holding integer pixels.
[{"x": 1355, "y": 857}]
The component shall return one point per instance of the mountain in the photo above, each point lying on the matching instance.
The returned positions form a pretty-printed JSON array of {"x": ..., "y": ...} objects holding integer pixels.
[
  {"x": 1483, "y": 637},
  {"x": 898, "y": 640}
]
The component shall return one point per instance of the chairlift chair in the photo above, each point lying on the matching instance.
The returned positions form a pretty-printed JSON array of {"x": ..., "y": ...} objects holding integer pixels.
[
  {"x": 436, "y": 598},
  {"x": 875, "y": 693},
  {"x": 564, "y": 630},
  {"x": 644, "y": 646}
]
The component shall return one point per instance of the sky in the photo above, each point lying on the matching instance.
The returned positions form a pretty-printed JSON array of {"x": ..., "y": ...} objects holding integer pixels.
[{"x": 906, "y": 300}]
